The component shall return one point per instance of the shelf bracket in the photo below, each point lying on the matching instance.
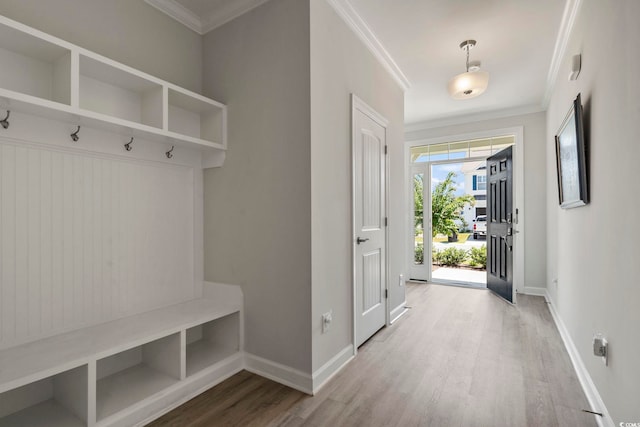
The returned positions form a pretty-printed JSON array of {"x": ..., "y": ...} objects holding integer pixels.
[
  {"x": 74, "y": 135},
  {"x": 5, "y": 122}
]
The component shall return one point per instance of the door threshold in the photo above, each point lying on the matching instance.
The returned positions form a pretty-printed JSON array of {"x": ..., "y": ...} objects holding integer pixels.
[{"x": 460, "y": 284}]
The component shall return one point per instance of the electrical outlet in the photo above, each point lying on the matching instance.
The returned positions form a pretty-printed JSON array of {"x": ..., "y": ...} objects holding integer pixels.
[
  {"x": 401, "y": 280},
  {"x": 601, "y": 348},
  {"x": 327, "y": 318}
]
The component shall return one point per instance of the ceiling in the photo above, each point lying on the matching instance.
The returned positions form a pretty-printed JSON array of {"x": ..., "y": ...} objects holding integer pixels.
[
  {"x": 515, "y": 44},
  {"x": 518, "y": 43}
]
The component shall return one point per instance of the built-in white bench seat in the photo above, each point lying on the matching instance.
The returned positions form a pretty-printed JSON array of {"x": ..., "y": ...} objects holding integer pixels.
[{"x": 123, "y": 372}]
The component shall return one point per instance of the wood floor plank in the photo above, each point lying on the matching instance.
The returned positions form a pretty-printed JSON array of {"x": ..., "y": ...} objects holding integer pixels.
[{"x": 459, "y": 357}]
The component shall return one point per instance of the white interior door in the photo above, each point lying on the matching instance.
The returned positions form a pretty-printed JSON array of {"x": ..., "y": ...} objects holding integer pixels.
[{"x": 369, "y": 240}]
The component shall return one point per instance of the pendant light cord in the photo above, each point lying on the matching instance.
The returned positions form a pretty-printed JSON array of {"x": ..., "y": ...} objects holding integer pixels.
[{"x": 467, "y": 49}]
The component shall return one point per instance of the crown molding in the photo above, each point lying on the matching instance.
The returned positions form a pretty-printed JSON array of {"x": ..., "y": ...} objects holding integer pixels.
[
  {"x": 228, "y": 13},
  {"x": 178, "y": 12},
  {"x": 564, "y": 34},
  {"x": 354, "y": 21},
  {"x": 202, "y": 25},
  {"x": 471, "y": 118}
]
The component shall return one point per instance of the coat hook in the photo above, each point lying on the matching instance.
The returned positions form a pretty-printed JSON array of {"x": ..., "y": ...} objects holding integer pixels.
[
  {"x": 5, "y": 122},
  {"x": 74, "y": 136},
  {"x": 128, "y": 146},
  {"x": 169, "y": 153}
]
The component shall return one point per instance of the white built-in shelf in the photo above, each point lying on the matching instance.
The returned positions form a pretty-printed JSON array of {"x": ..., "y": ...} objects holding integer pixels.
[
  {"x": 212, "y": 342},
  {"x": 46, "y": 76},
  {"x": 137, "y": 360},
  {"x": 24, "y": 364},
  {"x": 56, "y": 401},
  {"x": 124, "y": 389},
  {"x": 131, "y": 376},
  {"x": 45, "y": 414}
]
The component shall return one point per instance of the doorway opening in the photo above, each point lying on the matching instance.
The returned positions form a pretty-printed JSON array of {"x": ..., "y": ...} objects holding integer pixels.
[{"x": 449, "y": 210}]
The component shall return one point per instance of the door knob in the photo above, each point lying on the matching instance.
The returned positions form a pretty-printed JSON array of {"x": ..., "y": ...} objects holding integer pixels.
[{"x": 360, "y": 240}]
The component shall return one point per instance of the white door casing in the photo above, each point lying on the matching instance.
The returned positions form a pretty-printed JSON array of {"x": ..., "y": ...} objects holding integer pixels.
[
  {"x": 369, "y": 220},
  {"x": 518, "y": 194}
]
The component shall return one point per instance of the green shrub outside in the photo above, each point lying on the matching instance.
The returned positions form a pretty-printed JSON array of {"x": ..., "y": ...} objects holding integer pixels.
[
  {"x": 435, "y": 256},
  {"x": 452, "y": 257},
  {"x": 478, "y": 256},
  {"x": 418, "y": 254}
]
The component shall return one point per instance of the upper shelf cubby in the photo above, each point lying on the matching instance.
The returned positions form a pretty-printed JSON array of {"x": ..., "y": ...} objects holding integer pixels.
[
  {"x": 197, "y": 117},
  {"x": 114, "y": 92},
  {"x": 43, "y": 75},
  {"x": 34, "y": 67}
]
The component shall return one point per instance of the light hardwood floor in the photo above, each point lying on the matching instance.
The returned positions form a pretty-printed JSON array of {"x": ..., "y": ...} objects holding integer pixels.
[{"x": 459, "y": 357}]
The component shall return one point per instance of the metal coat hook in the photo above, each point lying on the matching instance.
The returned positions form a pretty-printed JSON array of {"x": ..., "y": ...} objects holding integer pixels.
[
  {"x": 128, "y": 146},
  {"x": 74, "y": 136},
  {"x": 169, "y": 153},
  {"x": 5, "y": 122}
]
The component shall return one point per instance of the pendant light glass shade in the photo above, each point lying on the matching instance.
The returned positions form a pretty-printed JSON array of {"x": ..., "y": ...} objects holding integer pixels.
[
  {"x": 468, "y": 85},
  {"x": 472, "y": 83}
]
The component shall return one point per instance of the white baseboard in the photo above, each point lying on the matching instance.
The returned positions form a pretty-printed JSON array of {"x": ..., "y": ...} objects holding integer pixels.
[
  {"x": 531, "y": 290},
  {"x": 397, "y": 312},
  {"x": 279, "y": 373},
  {"x": 332, "y": 367},
  {"x": 595, "y": 401}
]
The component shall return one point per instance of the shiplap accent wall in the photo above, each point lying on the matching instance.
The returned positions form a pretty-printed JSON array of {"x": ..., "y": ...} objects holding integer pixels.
[{"x": 88, "y": 237}]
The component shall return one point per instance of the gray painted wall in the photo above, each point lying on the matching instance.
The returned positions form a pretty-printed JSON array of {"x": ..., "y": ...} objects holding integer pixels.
[
  {"x": 592, "y": 251},
  {"x": 534, "y": 182},
  {"x": 258, "y": 206},
  {"x": 127, "y": 31},
  {"x": 341, "y": 65}
]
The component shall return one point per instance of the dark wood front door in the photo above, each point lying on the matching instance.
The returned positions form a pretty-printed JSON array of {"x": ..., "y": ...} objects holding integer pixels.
[{"x": 500, "y": 223}]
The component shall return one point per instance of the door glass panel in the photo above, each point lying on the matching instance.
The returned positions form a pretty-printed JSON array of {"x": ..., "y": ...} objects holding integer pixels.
[
  {"x": 499, "y": 144},
  {"x": 438, "y": 152},
  {"x": 418, "y": 215},
  {"x": 480, "y": 148},
  {"x": 458, "y": 150},
  {"x": 420, "y": 154}
]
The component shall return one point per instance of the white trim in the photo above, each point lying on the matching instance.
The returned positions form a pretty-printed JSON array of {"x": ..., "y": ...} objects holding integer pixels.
[
  {"x": 564, "y": 34},
  {"x": 330, "y": 369},
  {"x": 596, "y": 403},
  {"x": 229, "y": 13},
  {"x": 202, "y": 25},
  {"x": 359, "y": 104},
  {"x": 535, "y": 291},
  {"x": 278, "y": 372},
  {"x": 472, "y": 118},
  {"x": 178, "y": 12},
  {"x": 518, "y": 197},
  {"x": 398, "y": 312},
  {"x": 354, "y": 21}
]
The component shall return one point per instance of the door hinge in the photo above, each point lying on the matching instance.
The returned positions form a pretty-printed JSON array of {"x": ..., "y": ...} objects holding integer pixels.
[
  {"x": 386, "y": 221},
  {"x": 386, "y": 149},
  {"x": 386, "y": 293}
]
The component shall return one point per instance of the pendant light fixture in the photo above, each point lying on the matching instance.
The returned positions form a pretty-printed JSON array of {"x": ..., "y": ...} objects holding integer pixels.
[{"x": 472, "y": 83}]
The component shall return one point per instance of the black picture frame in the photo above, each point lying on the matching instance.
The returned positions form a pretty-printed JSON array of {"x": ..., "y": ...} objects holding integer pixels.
[{"x": 571, "y": 159}]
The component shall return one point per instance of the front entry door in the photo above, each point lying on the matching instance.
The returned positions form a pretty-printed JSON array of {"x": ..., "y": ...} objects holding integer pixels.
[
  {"x": 500, "y": 223},
  {"x": 369, "y": 163}
]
